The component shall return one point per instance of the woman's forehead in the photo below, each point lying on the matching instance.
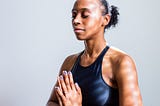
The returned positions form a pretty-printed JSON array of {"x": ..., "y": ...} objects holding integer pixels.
[{"x": 88, "y": 4}]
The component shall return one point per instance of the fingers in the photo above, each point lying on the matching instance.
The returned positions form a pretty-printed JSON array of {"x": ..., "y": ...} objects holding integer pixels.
[
  {"x": 59, "y": 98},
  {"x": 62, "y": 84},
  {"x": 66, "y": 83},
  {"x": 60, "y": 95},
  {"x": 78, "y": 88},
  {"x": 71, "y": 80},
  {"x": 66, "y": 80},
  {"x": 67, "y": 88},
  {"x": 59, "y": 83}
]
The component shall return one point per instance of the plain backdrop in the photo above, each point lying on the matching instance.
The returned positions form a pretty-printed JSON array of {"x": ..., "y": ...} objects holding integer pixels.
[{"x": 36, "y": 36}]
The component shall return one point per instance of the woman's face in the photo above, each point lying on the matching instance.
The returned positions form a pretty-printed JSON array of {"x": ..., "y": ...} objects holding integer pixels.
[{"x": 87, "y": 21}]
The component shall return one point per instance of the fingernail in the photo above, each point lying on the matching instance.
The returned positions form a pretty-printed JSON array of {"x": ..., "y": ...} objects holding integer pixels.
[
  {"x": 69, "y": 72},
  {"x": 76, "y": 84},
  {"x": 57, "y": 88},
  {"x": 65, "y": 72},
  {"x": 61, "y": 77}
]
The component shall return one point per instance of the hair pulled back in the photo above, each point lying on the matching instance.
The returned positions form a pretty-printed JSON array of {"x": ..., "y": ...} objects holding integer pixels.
[{"x": 112, "y": 11}]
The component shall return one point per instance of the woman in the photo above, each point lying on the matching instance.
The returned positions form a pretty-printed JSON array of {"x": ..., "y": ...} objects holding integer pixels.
[{"x": 100, "y": 75}]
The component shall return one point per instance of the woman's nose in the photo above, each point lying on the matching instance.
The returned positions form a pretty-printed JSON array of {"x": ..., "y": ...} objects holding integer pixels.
[{"x": 77, "y": 20}]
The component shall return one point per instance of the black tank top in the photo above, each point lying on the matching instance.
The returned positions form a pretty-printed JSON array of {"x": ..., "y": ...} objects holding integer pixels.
[{"x": 95, "y": 92}]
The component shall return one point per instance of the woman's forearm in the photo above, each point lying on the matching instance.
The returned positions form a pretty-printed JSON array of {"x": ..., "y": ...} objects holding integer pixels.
[{"x": 51, "y": 103}]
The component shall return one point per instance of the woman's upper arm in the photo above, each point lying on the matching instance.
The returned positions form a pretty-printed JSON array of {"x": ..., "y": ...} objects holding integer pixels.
[{"x": 127, "y": 80}]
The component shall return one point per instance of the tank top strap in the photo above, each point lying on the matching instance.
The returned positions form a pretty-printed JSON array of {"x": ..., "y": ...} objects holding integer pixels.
[
  {"x": 100, "y": 57},
  {"x": 104, "y": 52}
]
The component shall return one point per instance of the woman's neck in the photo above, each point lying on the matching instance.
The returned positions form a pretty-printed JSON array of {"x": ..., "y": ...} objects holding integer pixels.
[{"x": 94, "y": 47}]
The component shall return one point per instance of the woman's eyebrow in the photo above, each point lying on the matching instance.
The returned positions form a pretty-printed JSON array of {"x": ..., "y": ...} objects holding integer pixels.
[{"x": 82, "y": 9}]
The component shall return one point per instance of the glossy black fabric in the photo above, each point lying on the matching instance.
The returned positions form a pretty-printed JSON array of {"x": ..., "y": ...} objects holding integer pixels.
[{"x": 95, "y": 92}]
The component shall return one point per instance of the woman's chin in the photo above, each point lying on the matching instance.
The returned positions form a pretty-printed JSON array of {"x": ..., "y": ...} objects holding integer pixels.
[{"x": 80, "y": 37}]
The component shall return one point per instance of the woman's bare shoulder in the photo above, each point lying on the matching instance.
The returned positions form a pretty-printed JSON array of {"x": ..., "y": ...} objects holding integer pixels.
[
  {"x": 120, "y": 59},
  {"x": 125, "y": 74},
  {"x": 118, "y": 55},
  {"x": 69, "y": 62}
]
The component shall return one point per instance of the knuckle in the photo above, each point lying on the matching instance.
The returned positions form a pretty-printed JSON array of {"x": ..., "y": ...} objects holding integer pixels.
[
  {"x": 67, "y": 84},
  {"x": 71, "y": 83}
]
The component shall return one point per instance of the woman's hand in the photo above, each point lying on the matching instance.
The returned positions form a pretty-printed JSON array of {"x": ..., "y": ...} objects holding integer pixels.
[{"x": 68, "y": 92}]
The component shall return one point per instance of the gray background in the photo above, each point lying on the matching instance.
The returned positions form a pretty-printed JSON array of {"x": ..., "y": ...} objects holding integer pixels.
[{"x": 36, "y": 36}]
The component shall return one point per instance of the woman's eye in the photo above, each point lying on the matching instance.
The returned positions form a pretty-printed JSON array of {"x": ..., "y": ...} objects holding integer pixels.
[
  {"x": 73, "y": 15},
  {"x": 84, "y": 16}
]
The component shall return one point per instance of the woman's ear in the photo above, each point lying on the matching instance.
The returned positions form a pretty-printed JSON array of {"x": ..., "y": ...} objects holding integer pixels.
[{"x": 106, "y": 19}]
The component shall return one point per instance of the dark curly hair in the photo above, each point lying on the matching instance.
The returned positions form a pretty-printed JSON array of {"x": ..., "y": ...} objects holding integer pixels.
[{"x": 113, "y": 11}]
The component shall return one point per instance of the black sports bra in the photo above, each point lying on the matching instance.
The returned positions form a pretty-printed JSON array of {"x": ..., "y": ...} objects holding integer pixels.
[{"x": 95, "y": 92}]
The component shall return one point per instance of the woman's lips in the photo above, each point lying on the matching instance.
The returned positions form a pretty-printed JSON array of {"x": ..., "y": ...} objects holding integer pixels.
[{"x": 78, "y": 30}]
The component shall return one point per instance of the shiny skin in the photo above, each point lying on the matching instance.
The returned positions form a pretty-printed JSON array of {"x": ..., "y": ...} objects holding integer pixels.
[
  {"x": 87, "y": 16},
  {"x": 118, "y": 68}
]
